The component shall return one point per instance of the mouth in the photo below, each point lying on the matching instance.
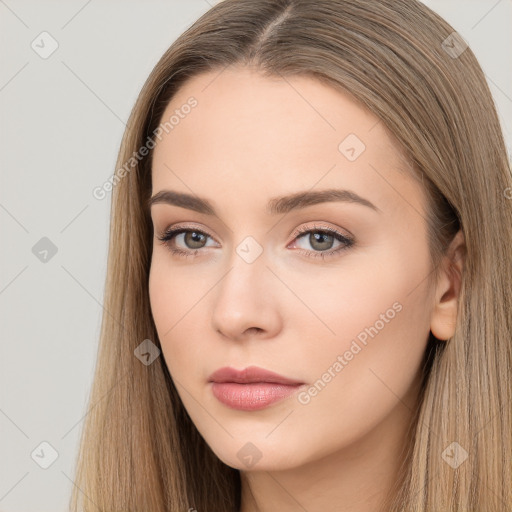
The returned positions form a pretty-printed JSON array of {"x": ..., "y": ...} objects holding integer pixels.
[{"x": 252, "y": 388}]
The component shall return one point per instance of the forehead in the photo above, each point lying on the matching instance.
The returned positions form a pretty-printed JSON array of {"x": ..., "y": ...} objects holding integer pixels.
[
  {"x": 244, "y": 100},
  {"x": 278, "y": 134}
]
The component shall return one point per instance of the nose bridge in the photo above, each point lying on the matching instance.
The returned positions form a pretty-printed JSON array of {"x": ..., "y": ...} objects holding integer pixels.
[
  {"x": 247, "y": 263},
  {"x": 246, "y": 278},
  {"x": 243, "y": 300}
]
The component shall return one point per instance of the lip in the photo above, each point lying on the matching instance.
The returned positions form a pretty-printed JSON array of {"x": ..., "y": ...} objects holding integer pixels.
[
  {"x": 250, "y": 375},
  {"x": 252, "y": 388}
]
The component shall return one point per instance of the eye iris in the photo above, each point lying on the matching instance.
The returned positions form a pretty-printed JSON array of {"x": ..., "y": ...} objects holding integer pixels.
[
  {"x": 320, "y": 237},
  {"x": 193, "y": 237}
]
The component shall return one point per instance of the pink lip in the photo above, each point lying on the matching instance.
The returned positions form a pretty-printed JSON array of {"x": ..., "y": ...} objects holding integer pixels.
[{"x": 250, "y": 389}]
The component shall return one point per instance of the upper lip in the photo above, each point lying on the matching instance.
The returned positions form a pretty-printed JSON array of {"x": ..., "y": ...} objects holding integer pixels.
[{"x": 250, "y": 375}]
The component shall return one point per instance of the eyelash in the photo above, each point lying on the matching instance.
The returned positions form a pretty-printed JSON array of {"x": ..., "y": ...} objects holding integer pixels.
[{"x": 169, "y": 234}]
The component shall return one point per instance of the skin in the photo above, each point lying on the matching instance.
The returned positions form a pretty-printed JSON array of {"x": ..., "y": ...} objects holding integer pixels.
[{"x": 249, "y": 139}]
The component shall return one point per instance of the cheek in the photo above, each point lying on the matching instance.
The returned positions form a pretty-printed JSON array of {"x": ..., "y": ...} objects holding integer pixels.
[
  {"x": 176, "y": 297},
  {"x": 364, "y": 379},
  {"x": 167, "y": 300},
  {"x": 380, "y": 315},
  {"x": 378, "y": 295}
]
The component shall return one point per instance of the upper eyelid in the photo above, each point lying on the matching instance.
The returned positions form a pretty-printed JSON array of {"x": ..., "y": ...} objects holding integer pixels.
[
  {"x": 296, "y": 233},
  {"x": 179, "y": 227},
  {"x": 196, "y": 227},
  {"x": 328, "y": 229}
]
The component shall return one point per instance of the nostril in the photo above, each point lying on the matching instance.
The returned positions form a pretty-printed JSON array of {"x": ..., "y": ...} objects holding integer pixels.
[{"x": 253, "y": 330}]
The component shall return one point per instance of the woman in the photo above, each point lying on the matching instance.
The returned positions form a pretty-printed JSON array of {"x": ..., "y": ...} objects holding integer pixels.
[{"x": 308, "y": 299}]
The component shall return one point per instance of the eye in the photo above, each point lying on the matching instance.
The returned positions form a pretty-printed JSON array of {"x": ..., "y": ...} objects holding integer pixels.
[
  {"x": 192, "y": 239},
  {"x": 183, "y": 241},
  {"x": 322, "y": 239}
]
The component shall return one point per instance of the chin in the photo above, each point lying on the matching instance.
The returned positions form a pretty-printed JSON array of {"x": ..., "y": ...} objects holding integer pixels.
[{"x": 259, "y": 455}]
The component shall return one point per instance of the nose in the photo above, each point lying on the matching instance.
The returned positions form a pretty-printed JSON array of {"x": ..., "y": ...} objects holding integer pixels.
[{"x": 247, "y": 303}]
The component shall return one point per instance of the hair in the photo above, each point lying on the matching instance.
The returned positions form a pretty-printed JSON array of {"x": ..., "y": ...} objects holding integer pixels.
[{"x": 139, "y": 449}]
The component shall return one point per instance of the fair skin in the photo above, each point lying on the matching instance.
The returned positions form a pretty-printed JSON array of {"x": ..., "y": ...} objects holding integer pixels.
[{"x": 249, "y": 139}]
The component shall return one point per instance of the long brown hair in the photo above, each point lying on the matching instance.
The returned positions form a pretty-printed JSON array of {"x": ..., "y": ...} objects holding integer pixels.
[{"x": 139, "y": 449}]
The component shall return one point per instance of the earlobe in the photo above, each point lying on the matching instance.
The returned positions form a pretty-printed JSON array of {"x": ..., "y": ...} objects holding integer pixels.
[{"x": 444, "y": 314}]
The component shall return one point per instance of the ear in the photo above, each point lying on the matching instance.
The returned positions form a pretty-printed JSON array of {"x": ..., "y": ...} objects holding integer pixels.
[{"x": 444, "y": 314}]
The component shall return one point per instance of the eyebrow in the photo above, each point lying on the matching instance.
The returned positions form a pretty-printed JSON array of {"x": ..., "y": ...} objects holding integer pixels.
[{"x": 275, "y": 206}]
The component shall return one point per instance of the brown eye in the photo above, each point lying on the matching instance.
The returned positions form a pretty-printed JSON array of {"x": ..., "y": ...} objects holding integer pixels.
[
  {"x": 320, "y": 240},
  {"x": 194, "y": 239}
]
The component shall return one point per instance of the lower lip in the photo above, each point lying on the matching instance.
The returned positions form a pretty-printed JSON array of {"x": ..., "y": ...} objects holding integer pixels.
[{"x": 251, "y": 397}]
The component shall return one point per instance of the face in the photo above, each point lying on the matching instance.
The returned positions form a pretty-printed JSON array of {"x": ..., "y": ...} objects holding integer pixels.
[{"x": 328, "y": 290}]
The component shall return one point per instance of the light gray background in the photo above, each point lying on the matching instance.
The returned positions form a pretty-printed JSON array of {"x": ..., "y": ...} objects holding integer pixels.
[{"x": 61, "y": 123}]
